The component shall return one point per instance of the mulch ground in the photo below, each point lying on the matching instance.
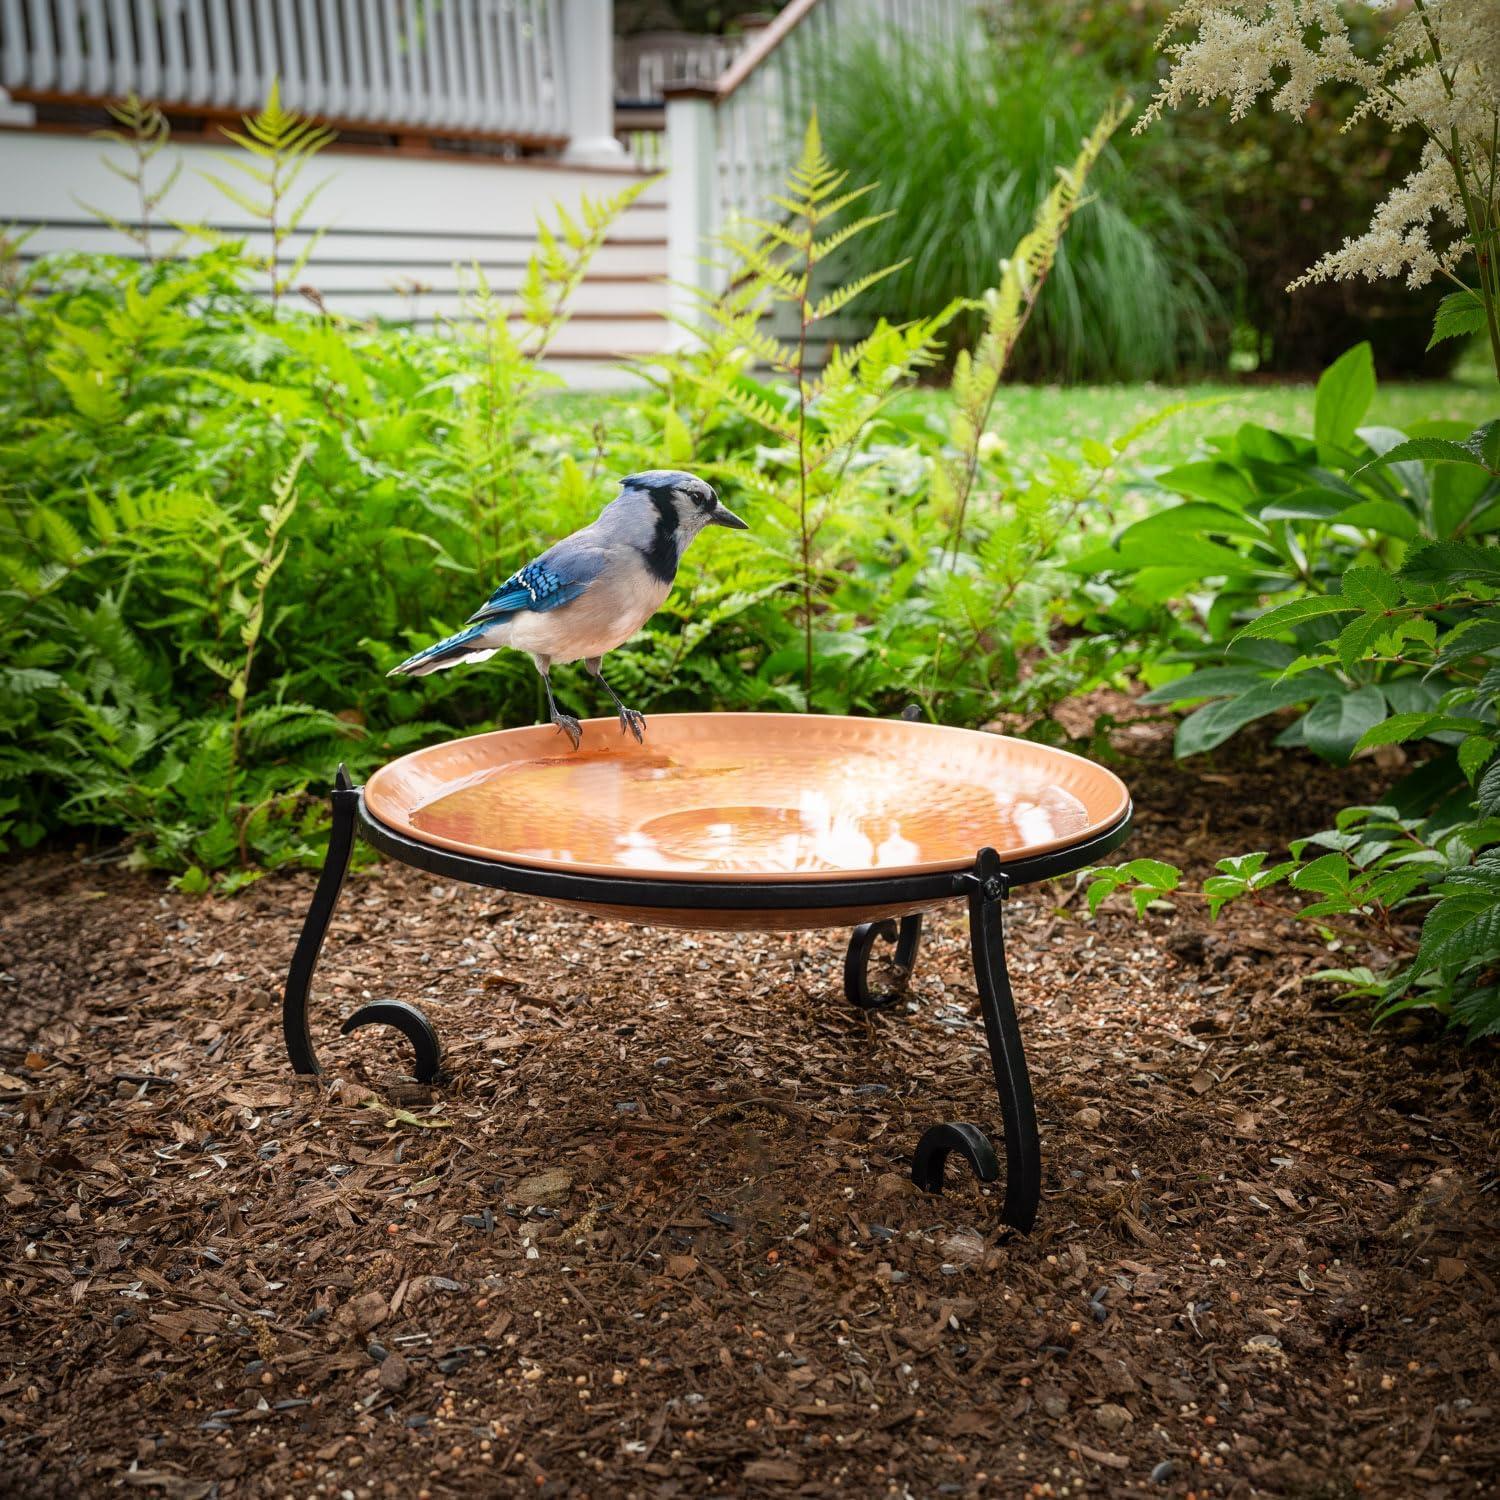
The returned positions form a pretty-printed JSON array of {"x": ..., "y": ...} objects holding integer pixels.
[{"x": 656, "y": 1237}]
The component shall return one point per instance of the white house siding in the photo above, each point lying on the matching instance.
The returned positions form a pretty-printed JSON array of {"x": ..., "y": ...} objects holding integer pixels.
[{"x": 388, "y": 221}]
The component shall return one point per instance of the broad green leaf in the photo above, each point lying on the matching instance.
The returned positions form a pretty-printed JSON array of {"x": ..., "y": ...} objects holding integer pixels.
[
  {"x": 1312, "y": 503},
  {"x": 1440, "y": 563},
  {"x": 1345, "y": 390},
  {"x": 1399, "y": 728},
  {"x": 1461, "y": 931},
  {"x": 1459, "y": 314},
  {"x": 1371, "y": 588},
  {"x": 1211, "y": 682},
  {"x": 1472, "y": 450},
  {"x": 1469, "y": 639},
  {"x": 1358, "y": 637},
  {"x": 1335, "y": 725},
  {"x": 1384, "y": 516},
  {"x": 1212, "y": 725},
  {"x": 1328, "y": 875},
  {"x": 1284, "y": 616},
  {"x": 1409, "y": 474},
  {"x": 1489, "y": 790},
  {"x": 1152, "y": 872},
  {"x": 1473, "y": 754},
  {"x": 1214, "y": 480}
]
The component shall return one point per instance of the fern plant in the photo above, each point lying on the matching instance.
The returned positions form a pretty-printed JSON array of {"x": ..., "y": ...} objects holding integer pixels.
[
  {"x": 143, "y": 134},
  {"x": 280, "y": 144},
  {"x": 556, "y": 267},
  {"x": 821, "y": 421},
  {"x": 506, "y": 340},
  {"x": 1007, "y": 308},
  {"x": 264, "y": 558}
]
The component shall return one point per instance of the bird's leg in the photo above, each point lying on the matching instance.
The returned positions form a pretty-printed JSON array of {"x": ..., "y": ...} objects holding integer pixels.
[
  {"x": 631, "y": 721},
  {"x": 565, "y": 722}
]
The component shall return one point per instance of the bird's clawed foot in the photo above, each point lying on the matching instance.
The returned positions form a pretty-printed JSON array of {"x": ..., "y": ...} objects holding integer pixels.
[
  {"x": 569, "y": 726},
  {"x": 633, "y": 722}
]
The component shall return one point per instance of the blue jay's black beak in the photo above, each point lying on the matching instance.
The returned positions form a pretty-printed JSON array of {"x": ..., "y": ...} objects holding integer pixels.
[{"x": 723, "y": 516}]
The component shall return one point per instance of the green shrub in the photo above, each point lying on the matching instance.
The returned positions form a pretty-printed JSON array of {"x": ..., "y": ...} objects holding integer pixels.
[
  {"x": 962, "y": 167},
  {"x": 1375, "y": 552}
]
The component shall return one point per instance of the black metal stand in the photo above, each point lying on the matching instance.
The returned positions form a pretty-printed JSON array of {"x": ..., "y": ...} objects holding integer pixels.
[
  {"x": 984, "y": 886},
  {"x": 407, "y": 1019},
  {"x": 907, "y": 938}
]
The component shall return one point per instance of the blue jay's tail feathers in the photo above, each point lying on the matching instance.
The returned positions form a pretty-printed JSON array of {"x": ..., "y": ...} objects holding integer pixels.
[{"x": 447, "y": 653}]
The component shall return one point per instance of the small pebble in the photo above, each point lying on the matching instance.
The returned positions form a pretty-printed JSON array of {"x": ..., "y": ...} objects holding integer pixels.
[{"x": 1112, "y": 1418}]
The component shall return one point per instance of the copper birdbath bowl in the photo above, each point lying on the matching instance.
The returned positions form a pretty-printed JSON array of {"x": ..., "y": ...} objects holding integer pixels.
[{"x": 739, "y": 821}]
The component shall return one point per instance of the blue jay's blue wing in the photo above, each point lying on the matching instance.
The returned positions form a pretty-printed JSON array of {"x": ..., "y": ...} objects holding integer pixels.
[{"x": 541, "y": 585}]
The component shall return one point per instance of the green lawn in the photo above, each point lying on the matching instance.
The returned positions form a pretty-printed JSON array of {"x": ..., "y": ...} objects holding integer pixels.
[
  {"x": 1032, "y": 417},
  {"x": 1040, "y": 417}
]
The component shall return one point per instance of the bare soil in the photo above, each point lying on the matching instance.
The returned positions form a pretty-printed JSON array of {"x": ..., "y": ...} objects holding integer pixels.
[{"x": 656, "y": 1236}]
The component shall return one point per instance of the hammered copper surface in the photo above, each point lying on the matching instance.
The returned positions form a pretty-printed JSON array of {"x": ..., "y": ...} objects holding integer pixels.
[{"x": 746, "y": 797}]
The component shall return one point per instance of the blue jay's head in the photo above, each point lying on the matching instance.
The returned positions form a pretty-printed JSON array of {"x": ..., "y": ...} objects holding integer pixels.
[{"x": 683, "y": 504}]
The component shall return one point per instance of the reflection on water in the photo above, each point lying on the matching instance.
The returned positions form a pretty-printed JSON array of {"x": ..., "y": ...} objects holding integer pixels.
[{"x": 775, "y": 807}]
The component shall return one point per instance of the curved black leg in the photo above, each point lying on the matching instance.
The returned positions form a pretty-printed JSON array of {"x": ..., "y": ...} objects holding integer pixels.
[
  {"x": 412, "y": 1024},
  {"x": 857, "y": 960},
  {"x": 932, "y": 1153},
  {"x": 406, "y": 1018},
  {"x": 986, "y": 889}
]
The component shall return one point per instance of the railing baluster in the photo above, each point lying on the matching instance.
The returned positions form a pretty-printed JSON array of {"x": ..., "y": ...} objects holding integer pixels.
[
  {"x": 173, "y": 68},
  {"x": 329, "y": 21},
  {"x": 267, "y": 46},
  {"x": 468, "y": 64},
  {"x": 450, "y": 97},
  {"x": 289, "y": 55},
  {"x": 123, "y": 74},
  {"x": 538, "y": 81},
  {"x": 386, "y": 100},
  {"x": 15, "y": 62},
  {"x": 486, "y": 48},
  {"x": 315, "y": 80},
  {"x": 197, "y": 77},
  {"x": 42, "y": 62},
  {"x": 96, "y": 50},
  {"x": 69, "y": 53},
  {"x": 228, "y": 50},
  {"x": 506, "y": 40},
  {"x": 358, "y": 43},
  {"x": 425, "y": 63}
]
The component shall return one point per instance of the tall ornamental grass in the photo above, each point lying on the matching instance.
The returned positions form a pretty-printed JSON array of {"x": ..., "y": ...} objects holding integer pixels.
[{"x": 964, "y": 143}]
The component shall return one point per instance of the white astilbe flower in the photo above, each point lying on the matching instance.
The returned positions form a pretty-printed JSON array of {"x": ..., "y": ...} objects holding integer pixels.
[
  {"x": 1438, "y": 71},
  {"x": 1399, "y": 239}
]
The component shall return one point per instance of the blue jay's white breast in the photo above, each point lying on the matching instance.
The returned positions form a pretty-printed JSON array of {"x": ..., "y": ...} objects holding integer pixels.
[{"x": 608, "y": 612}]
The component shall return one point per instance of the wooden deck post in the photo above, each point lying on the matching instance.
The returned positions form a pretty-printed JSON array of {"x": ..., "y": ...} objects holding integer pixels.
[
  {"x": 692, "y": 192},
  {"x": 588, "y": 79}
]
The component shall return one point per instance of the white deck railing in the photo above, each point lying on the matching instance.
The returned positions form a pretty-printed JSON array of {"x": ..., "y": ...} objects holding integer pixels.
[
  {"x": 465, "y": 67},
  {"x": 647, "y": 62},
  {"x": 730, "y": 142}
]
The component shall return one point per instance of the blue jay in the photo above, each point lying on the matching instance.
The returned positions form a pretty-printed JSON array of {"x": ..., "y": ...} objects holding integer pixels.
[{"x": 592, "y": 590}]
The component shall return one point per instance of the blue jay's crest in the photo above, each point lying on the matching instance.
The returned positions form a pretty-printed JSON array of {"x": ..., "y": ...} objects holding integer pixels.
[
  {"x": 682, "y": 505},
  {"x": 671, "y": 483}
]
